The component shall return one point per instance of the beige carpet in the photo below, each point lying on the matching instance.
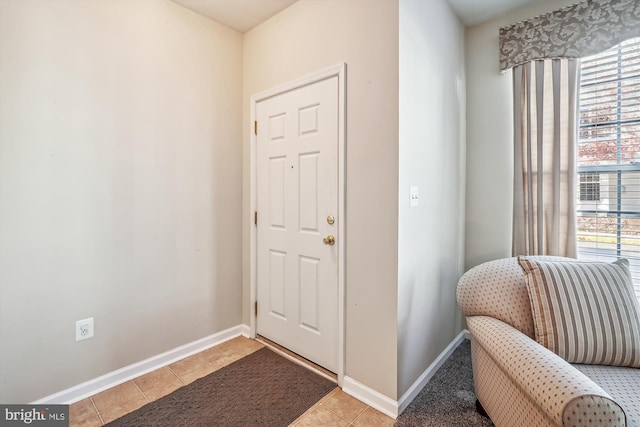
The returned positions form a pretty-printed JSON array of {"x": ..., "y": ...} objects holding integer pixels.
[{"x": 449, "y": 398}]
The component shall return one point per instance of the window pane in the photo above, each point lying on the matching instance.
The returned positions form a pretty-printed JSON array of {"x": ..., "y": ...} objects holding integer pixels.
[{"x": 609, "y": 157}]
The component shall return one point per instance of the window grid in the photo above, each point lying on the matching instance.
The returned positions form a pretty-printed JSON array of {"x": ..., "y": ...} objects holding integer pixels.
[{"x": 590, "y": 186}]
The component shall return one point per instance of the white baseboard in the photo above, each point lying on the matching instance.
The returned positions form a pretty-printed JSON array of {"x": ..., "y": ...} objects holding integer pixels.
[
  {"x": 122, "y": 375},
  {"x": 371, "y": 397},
  {"x": 385, "y": 404},
  {"x": 423, "y": 379}
]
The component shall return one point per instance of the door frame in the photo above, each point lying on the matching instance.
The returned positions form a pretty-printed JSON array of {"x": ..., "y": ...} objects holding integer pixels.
[{"x": 340, "y": 72}]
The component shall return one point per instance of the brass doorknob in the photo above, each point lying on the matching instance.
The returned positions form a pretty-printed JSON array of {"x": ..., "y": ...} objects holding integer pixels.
[{"x": 329, "y": 240}]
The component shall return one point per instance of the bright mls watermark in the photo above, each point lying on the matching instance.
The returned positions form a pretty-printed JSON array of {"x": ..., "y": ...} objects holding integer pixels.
[{"x": 34, "y": 415}]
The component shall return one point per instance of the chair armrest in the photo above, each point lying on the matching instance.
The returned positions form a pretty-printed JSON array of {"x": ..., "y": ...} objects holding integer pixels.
[{"x": 563, "y": 393}]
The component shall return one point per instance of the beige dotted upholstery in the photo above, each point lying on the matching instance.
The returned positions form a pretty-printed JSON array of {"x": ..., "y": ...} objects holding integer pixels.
[
  {"x": 499, "y": 289},
  {"x": 518, "y": 381},
  {"x": 499, "y": 395},
  {"x": 623, "y": 384}
]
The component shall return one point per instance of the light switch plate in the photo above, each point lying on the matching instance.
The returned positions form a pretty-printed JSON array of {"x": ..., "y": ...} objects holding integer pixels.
[{"x": 414, "y": 196}]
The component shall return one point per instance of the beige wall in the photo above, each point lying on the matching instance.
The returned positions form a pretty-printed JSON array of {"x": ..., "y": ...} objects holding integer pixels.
[
  {"x": 307, "y": 37},
  {"x": 124, "y": 186},
  {"x": 120, "y": 186},
  {"x": 489, "y": 197},
  {"x": 431, "y": 247}
]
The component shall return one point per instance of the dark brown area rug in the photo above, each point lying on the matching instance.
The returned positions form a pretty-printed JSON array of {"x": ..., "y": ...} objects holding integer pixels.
[{"x": 261, "y": 389}]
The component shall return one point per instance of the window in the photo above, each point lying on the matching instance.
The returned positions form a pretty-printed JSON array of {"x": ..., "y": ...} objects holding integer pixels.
[
  {"x": 608, "y": 209},
  {"x": 589, "y": 186}
]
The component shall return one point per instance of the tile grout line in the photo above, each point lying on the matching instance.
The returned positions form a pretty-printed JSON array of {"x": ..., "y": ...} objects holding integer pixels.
[
  {"x": 359, "y": 415},
  {"x": 176, "y": 375},
  {"x": 95, "y": 408},
  {"x": 140, "y": 390},
  {"x": 351, "y": 422}
]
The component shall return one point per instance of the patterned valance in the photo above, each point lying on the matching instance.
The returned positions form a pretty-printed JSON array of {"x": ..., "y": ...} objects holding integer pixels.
[{"x": 576, "y": 31}]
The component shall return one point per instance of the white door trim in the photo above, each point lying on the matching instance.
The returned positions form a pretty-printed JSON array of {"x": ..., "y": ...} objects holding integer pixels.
[{"x": 339, "y": 71}]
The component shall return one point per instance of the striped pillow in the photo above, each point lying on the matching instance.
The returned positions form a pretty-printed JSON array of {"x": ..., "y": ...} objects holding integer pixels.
[{"x": 585, "y": 312}]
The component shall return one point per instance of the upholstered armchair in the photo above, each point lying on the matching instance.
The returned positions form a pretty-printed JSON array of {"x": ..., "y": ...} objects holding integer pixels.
[{"x": 519, "y": 381}]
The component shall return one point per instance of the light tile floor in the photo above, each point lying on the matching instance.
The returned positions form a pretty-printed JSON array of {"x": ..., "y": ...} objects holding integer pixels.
[{"x": 335, "y": 409}]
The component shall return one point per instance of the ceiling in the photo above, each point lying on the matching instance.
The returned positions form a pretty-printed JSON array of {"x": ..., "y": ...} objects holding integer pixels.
[
  {"x": 475, "y": 11},
  {"x": 243, "y": 15}
]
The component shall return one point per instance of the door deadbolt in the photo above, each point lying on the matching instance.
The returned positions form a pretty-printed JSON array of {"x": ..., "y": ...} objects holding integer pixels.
[{"x": 330, "y": 220}]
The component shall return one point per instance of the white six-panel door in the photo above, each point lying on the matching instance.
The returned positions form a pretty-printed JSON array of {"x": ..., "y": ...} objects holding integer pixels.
[{"x": 297, "y": 205}]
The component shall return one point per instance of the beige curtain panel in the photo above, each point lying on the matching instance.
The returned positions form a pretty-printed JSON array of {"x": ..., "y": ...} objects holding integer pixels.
[{"x": 545, "y": 136}]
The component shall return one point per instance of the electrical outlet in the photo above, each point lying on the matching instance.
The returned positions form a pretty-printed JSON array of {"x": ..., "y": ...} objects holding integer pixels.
[{"x": 84, "y": 329}]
